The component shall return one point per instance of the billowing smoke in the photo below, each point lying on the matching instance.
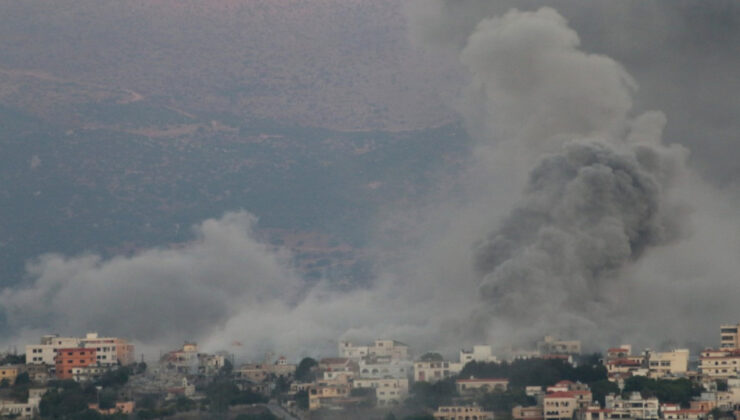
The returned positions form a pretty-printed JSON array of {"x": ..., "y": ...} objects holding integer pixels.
[{"x": 575, "y": 222}]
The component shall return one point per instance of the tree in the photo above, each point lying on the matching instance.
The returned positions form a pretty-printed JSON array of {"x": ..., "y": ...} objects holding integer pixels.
[
  {"x": 432, "y": 395},
  {"x": 677, "y": 391},
  {"x": 301, "y": 400},
  {"x": 22, "y": 379},
  {"x": 107, "y": 399},
  {"x": 304, "y": 372},
  {"x": 503, "y": 402},
  {"x": 431, "y": 357},
  {"x": 183, "y": 403},
  {"x": 600, "y": 389}
]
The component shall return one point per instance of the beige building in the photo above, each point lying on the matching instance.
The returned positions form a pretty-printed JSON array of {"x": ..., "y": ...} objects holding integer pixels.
[
  {"x": 719, "y": 364},
  {"x": 481, "y": 354},
  {"x": 26, "y": 410},
  {"x": 109, "y": 350},
  {"x": 324, "y": 391},
  {"x": 9, "y": 373},
  {"x": 635, "y": 407},
  {"x": 668, "y": 363},
  {"x": 462, "y": 412},
  {"x": 729, "y": 337},
  {"x": 45, "y": 352},
  {"x": 551, "y": 345},
  {"x": 392, "y": 349},
  {"x": 565, "y": 404},
  {"x": 527, "y": 413},
  {"x": 433, "y": 371},
  {"x": 473, "y": 385},
  {"x": 387, "y": 391}
]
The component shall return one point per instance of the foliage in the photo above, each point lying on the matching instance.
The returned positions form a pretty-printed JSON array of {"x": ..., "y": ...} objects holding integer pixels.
[
  {"x": 304, "y": 372},
  {"x": 5, "y": 383},
  {"x": 432, "y": 395},
  {"x": 66, "y": 400},
  {"x": 261, "y": 416},
  {"x": 301, "y": 400},
  {"x": 13, "y": 359},
  {"x": 721, "y": 386},
  {"x": 183, "y": 403},
  {"x": 140, "y": 367},
  {"x": 115, "y": 378},
  {"x": 431, "y": 357},
  {"x": 600, "y": 389},
  {"x": 222, "y": 393},
  {"x": 503, "y": 402},
  {"x": 535, "y": 372},
  {"x": 22, "y": 379},
  {"x": 419, "y": 417},
  {"x": 107, "y": 399},
  {"x": 677, "y": 391}
]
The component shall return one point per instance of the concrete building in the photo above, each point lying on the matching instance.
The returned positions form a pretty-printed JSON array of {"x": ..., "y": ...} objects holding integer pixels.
[
  {"x": 669, "y": 363},
  {"x": 395, "y": 350},
  {"x": 433, "y": 371},
  {"x": 121, "y": 407},
  {"x": 527, "y": 413},
  {"x": 45, "y": 352},
  {"x": 324, "y": 391},
  {"x": 634, "y": 407},
  {"x": 475, "y": 385},
  {"x": 26, "y": 410},
  {"x": 9, "y": 373},
  {"x": 370, "y": 368},
  {"x": 387, "y": 391},
  {"x": 110, "y": 350},
  {"x": 551, "y": 345},
  {"x": 719, "y": 364},
  {"x": 462, "y": 412},
  {"x": 68, "y": 359},
  {"x": 189, "y": 360},
  {"x": 565, "y": 404},
  {"x": 729, "y": 337},
  {"x": 481, "y": 354}
]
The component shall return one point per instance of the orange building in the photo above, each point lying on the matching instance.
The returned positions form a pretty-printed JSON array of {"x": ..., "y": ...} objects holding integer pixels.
[{"x": 69, "y": 358}]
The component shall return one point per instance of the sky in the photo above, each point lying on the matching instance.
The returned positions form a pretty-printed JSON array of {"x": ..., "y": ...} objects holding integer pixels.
[{"x": 599, "y": 202}]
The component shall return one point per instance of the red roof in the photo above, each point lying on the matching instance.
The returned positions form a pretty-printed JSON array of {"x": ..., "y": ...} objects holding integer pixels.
[
  {"x": 565, "y": 382},
  {"x": 566, "y": 394},
  {"x": 617, "y": 350}
]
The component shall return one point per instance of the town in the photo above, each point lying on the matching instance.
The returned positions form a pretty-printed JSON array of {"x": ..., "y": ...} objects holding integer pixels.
[{"x": 96, "y": 377}]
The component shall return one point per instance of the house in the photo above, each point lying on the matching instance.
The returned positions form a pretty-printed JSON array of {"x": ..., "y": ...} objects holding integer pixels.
[
  {"x": 615, "y": 407},
  {"x": 8, "y": 373},
  {"x": 565, "y": 404},
  {"x": 387, "y": 391},
  {"x": 434, "y": 370},
  {"x": 380, "y": 348},
  {"x": 719, "y": 364},
  {"x": 527, "y": 413},
  {"x": 480, "y": 354},
  {"x": 462, "y": 412},
  {"x": 26, "y": 410},
  {"x": 121, "y": 407},
  {"x": 371, "y": 367},
  {"x": 729, "y": 337},
  {"x": 322, "y": 392},
  {"x": 551, "y": 345},
  {"x": 670, "y": 363},
  {"x": 473, "y": 385},
  {"x": 109, "y": 350}
]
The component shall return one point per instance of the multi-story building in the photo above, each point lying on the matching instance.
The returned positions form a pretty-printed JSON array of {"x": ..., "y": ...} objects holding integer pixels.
[
  {"x": 634, "y": 407},
  {"x": 395, "y": 350},
  {"x": 371, "y": 368},
  {"x": 719, "y": 364},
  {"x": 433, "y": 370},
  {"x": 527, "y": 413},
  {"x": 620, "y": 352},
  {"x": 481, "y": 354},
  {"x": 110, "y": 350},
  {"x": 324, "y": 391},
  {"x": 668, "y": 363},
  {"x": 462, "y": 412},
  {"x": 26, "y": 410},
  {"x": 473, "y": 385},
  {"x": 387, "y": 391},
  {"x": 67, "y": 359},
  {"x": 8, "y": 373},
  {"x": 551, "y": 345},
  {"x": 729, "y": 337},
  {"x": 565, "y": 404}
]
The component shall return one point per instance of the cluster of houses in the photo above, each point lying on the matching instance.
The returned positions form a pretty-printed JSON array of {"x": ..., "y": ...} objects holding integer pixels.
[{"x": 380, "y": 374}]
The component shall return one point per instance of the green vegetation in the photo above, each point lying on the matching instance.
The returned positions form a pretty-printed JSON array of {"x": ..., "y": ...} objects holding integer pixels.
[
  {"x": 677, "y": 391},
  {"x": 431, "y": 395},
  {"x": 535, "y": 372},
  {"x": 305, "y": 370},
  {"x": 503, "y": 402},
  {"x": 261, "y": 416}
]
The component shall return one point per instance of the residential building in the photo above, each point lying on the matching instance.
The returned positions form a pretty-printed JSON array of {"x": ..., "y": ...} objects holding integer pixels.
[
  {"x": 527, "y": 413},
  {"x": 462, "y": 412},
  {"x": 729, "y": 337},
  {"x": 9, "y": 373},
  {"x": 121, "y": 407},
  {"x": 434, "y": 370},
  {"x": 189, "y": 360},
  {"x": 45, "y": 352},
  {"x": 387, "y": 391},
  {"x": 371, "y": 368},
  {"x": 620, "y": 352},
  {"x": 683, "y": 414},
  {"x": 67, "y": 359},
  {"x": 564, "y": 404},
  {"x": 473, "y": 385},
  {"x": 380, "y": 348},
  {"x": 551, "y": 345},
  {"x": 481, "y": 354},
  {"x": 324, "y": 391},
  {"x": 669, "y": 363},
  {"x": 719, "y": 364},
  {"x": 110, "y": 350},
  {"x": 27, "y": 410},
  {"x": 634, "y": 407}
]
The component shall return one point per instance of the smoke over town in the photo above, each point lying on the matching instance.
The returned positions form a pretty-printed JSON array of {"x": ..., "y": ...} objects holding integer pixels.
[{"x": 578, "y": 216}]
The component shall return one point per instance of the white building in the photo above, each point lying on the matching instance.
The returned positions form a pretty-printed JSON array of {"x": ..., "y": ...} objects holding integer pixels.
[
  {"x": 634, "y": 407},
  {"x": 45, "y": 352},
  {"x": 481, "y": 354},
  {"x": 551, "y": 345},
  {"x": 433, "y": 371},
  {"x": 400, "y": 369},
  {"x": 26, "y": 410},
  {"x": 718, "y": 364},
  {"x": 387, "y": 391},
  {"x": 669, "y": 363},
  {"x": 462, "y": 412},
  {"x": 109, "y": 350},
  {"x": 472, "y": 385},
  {"x": 394, "y": 350}
]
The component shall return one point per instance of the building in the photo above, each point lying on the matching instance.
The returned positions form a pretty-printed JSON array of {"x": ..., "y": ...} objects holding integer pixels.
[
  {"x": 122, "y": 407},
  {"x": 550, "y": 345},
  {"x": 719, "y": 364},
  {"x": 328, "y": 392},
  {"x": 473, "y": 385},
  {"x": 565, "y": 404},
  {"x": 26, "y": 410},
  {"x": 634, "y": 407},
  {"x": 9, "y": 373},
  {"x": 110, "y": 350},
  {"x": 729, "y": 337},
  {"x": 462, "y": 412},
  {"x": 371, "y": 368},
  {"x": 527, "y": 413},
  {"x": 387, "y": 391},
  {"x": 395, "y": 350},
  {"x": 669, "y": 363},
  {"x": 189, "y": 361},
  {"x": 480, "y": 354},
  {"x": 434, "y": 370},
  {"x": 67, "y": 359},
  {"x": 620, "y": 352}
]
